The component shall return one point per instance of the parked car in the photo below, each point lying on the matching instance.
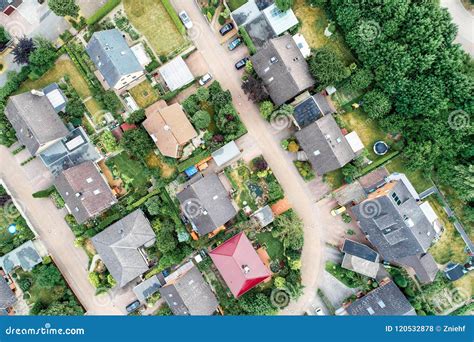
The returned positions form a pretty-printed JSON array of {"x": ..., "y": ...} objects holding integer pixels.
[
  {"x": 314, "y": 312},
  {"x": 206, "y": 78},
  {"x": 338, "y": 211},
  {"x": 185, "y": 19},
  {"x": 226, "y": 29},
  {"x": 234, "y": 43},
  {"x": 132, "y": 306},
  {"x": 240, "y": 64}
]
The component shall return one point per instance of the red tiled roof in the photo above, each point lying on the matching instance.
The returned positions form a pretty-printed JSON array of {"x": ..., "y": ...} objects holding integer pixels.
[
  {"x": 127, "y": 127},
  {"x": 239, "y": 264}
]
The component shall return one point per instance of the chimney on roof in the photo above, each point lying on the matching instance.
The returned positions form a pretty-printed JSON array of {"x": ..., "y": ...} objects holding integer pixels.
[
  {"x": 37, "y": 92},
  {"x": 246, "y": 269}
]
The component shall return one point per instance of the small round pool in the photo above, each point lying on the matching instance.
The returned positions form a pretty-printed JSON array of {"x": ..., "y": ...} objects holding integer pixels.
[{"x": 380, "y": 148}]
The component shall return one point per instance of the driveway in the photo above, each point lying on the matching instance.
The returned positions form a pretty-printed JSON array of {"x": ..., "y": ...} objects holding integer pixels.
[
  {"x": 52, "y": 230},
  {"x": 221, "y": 63},
  {"x": 89, "y": 7},
  {"x": 465, "y": 22}
]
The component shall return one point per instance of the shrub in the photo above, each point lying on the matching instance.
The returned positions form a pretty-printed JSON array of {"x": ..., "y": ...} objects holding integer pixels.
[
  {"x": 169, "y": 8},
  {"x": 102, "y": 12},
  {"x": 266, "y": 109},
  {"x": 293, "y": 147},
  {"x": 247, "y": 40},
  {"x": 201, "y": 119},
  {"x": 44, "y": 193}
]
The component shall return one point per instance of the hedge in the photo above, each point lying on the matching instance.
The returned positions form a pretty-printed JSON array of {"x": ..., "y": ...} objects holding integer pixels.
[
  {"x": 102, "y": 12},
  {"x": 247, "y": 40},
  {"x": 379, "y": 162},
  {"x": 44, "y": 193},
  {"x": 174, "y": 16}
]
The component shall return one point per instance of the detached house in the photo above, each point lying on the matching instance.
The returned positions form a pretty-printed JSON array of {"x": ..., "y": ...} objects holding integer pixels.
[
  {"x": 85, "y": 191},
  {"x": 169, "y": 128},
  {"x": 397, "y": 226},
  {"x": 207, "y": 204},
  {"x": 34, "y": 116},
  {"x": 113, "y": 58},
  {"x": 283, "y": 69},
  {"x": 326, "y": 147},
  {"x": 187, "y": 293},
  {"x": 120, "y": 247}
]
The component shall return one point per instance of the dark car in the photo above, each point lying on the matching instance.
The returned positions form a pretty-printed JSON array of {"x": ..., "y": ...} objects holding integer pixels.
[
  {"x": 234, "y": 43},
  {"x": 226, "y": 29},
  {"x": 133, "y": 306},
  {"x": 240, "y": 64}
]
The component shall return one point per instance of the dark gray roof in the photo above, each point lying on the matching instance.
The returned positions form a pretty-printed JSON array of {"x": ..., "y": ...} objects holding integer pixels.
[
  {"x": 112, "y": 56},
  {"x": 7, "y": 296},
  {"x": 189, "y": 294},
  {"x": 260, "y": 31},
  {"x": 360, "y": 250},
  {"x": 147, "y": 288},
  {"x": 425, "y": 267},
  {"x": 5, "y": 3},
  {"x": 283, "y": 69},
  {"x": 25, "y": 256},
  {"x": 85, "y": 191},
  {"x": 323, "y": 104},
  {"x": 327, "y": 149},
  {"x": 72, "y": 150},
  {"x": 207, "y": 204},
  {"x": 397, "y": 230},
  {"x": 118, "y": 246},
  {"x": 454, "y": 271},
  {"x": 35, "y": 121},
  {"x": 386, "y": 300}
]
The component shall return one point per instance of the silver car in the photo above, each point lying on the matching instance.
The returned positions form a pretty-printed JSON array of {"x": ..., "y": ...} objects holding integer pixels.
[{"x": 185, "y": 19}]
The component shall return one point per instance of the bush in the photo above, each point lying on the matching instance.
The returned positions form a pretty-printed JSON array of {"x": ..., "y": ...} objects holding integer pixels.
[
  {"x": 44, "y": 193},
  {"x": 221, "y": 20},
  {"x": 102, "y": 12},
  {"x": 305, "y": 170},
  {"x": 201, "y": 119},
  {"x": 247, "y": 40},
  {"x": 266, "y": 109}
]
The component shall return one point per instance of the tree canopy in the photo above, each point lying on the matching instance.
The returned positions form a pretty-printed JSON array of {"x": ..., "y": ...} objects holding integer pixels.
[{"x": 63, "y": 8}]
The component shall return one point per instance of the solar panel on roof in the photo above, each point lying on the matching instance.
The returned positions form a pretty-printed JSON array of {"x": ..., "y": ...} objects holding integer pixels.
[{"x": 306, "y": 112}]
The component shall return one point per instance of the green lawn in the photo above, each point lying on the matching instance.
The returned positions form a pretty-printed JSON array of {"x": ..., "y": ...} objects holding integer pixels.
[
  {"x": 124, "y": 167},
  {"x": 234, "y": 4},
  {"x": 450, "y": 246},
  {"x": 335, "y": 179},
  {"x": 239, "y": 178},
  {"x": 367, "y": 129},
  {"x": 314, "y": 21},
  {"x": 273, "y": 246},
  {"x": 144, "y": 94},
  {"x": 418, "y": 178},
  {"x": 151, "y": 19},
  {"x": 62, "y": 68}
]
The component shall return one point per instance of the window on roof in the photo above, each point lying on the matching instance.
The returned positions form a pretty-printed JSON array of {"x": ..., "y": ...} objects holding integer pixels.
[
  {"x": 381, "y": 303},
  {"x": 370, "y": 310},
  {"x": 89, "y": 180},
  {"x": 317, "y": 153},
  {"x": 396, "y": 198}
]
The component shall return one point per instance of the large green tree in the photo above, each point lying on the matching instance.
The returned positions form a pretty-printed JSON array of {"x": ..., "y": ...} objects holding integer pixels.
[
  {"x": 63, "y": 8},
  {"x": 327, "y": 67}
]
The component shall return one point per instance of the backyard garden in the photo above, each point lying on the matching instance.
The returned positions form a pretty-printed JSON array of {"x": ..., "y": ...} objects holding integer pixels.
[{"x": 14, "y": 230}]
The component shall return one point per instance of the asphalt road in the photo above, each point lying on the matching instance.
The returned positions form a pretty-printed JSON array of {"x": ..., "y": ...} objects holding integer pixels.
[
  {"x": 221, "y": 64},
  {"x": 465, "y": 22},
  {"x": 53, "y": 231}
]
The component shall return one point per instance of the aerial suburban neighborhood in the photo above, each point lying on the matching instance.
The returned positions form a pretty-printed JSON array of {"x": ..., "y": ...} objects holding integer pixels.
[{"x": 236, "y": 157}]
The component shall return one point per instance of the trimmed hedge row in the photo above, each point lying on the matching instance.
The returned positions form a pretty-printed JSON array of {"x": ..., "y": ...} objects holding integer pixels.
[
  {"x": 174, "y": 16},
  {"x": 44, "y": 193},
  {"x": 102, "y": 12},
  {"x": 193, "y": 160},
  {"x": 379, "y": 162},
  {"x": 247, "y": 40}
]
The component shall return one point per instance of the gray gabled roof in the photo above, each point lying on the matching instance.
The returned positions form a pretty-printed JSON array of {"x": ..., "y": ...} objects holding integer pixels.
[
  {"x": 397, "y": 230},
  {"x": 283, "y": 69},
  {"x": 35, "y": 120},
  {"x": 325, "y": 145},
  {"x": 207, "y": 204},
  {"x": 189, "y": 294},
  {"x": 147, "y": 288},
  {"x": 25, "y": 256},
  {"x": 118, "y": 246},
  {"x": 425, "y": 266},
  {"x": 7, "y": 296},
  {"x": 112, "y": 56},
  {"x": 85, "y": 191},
  {"x": 360, "y": 250},
  {"x": 386, "y": 300}
]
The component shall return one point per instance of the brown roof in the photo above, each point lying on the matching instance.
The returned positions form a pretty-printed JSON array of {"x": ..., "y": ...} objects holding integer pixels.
[
  {"x": 169, "y": 127},
  {"x": 281, "y": 206}
]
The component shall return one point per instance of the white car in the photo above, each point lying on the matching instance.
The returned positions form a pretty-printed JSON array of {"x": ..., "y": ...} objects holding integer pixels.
[
  {"x": 185, "y": 19},
  {"x": 206, "y": 78}
]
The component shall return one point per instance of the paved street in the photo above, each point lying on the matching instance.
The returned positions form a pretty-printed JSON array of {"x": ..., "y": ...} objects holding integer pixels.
[
  {"x": 465, "y": 22},
  {"x": 222, "y": 68},
  {"x": 52, "y": 230}
]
